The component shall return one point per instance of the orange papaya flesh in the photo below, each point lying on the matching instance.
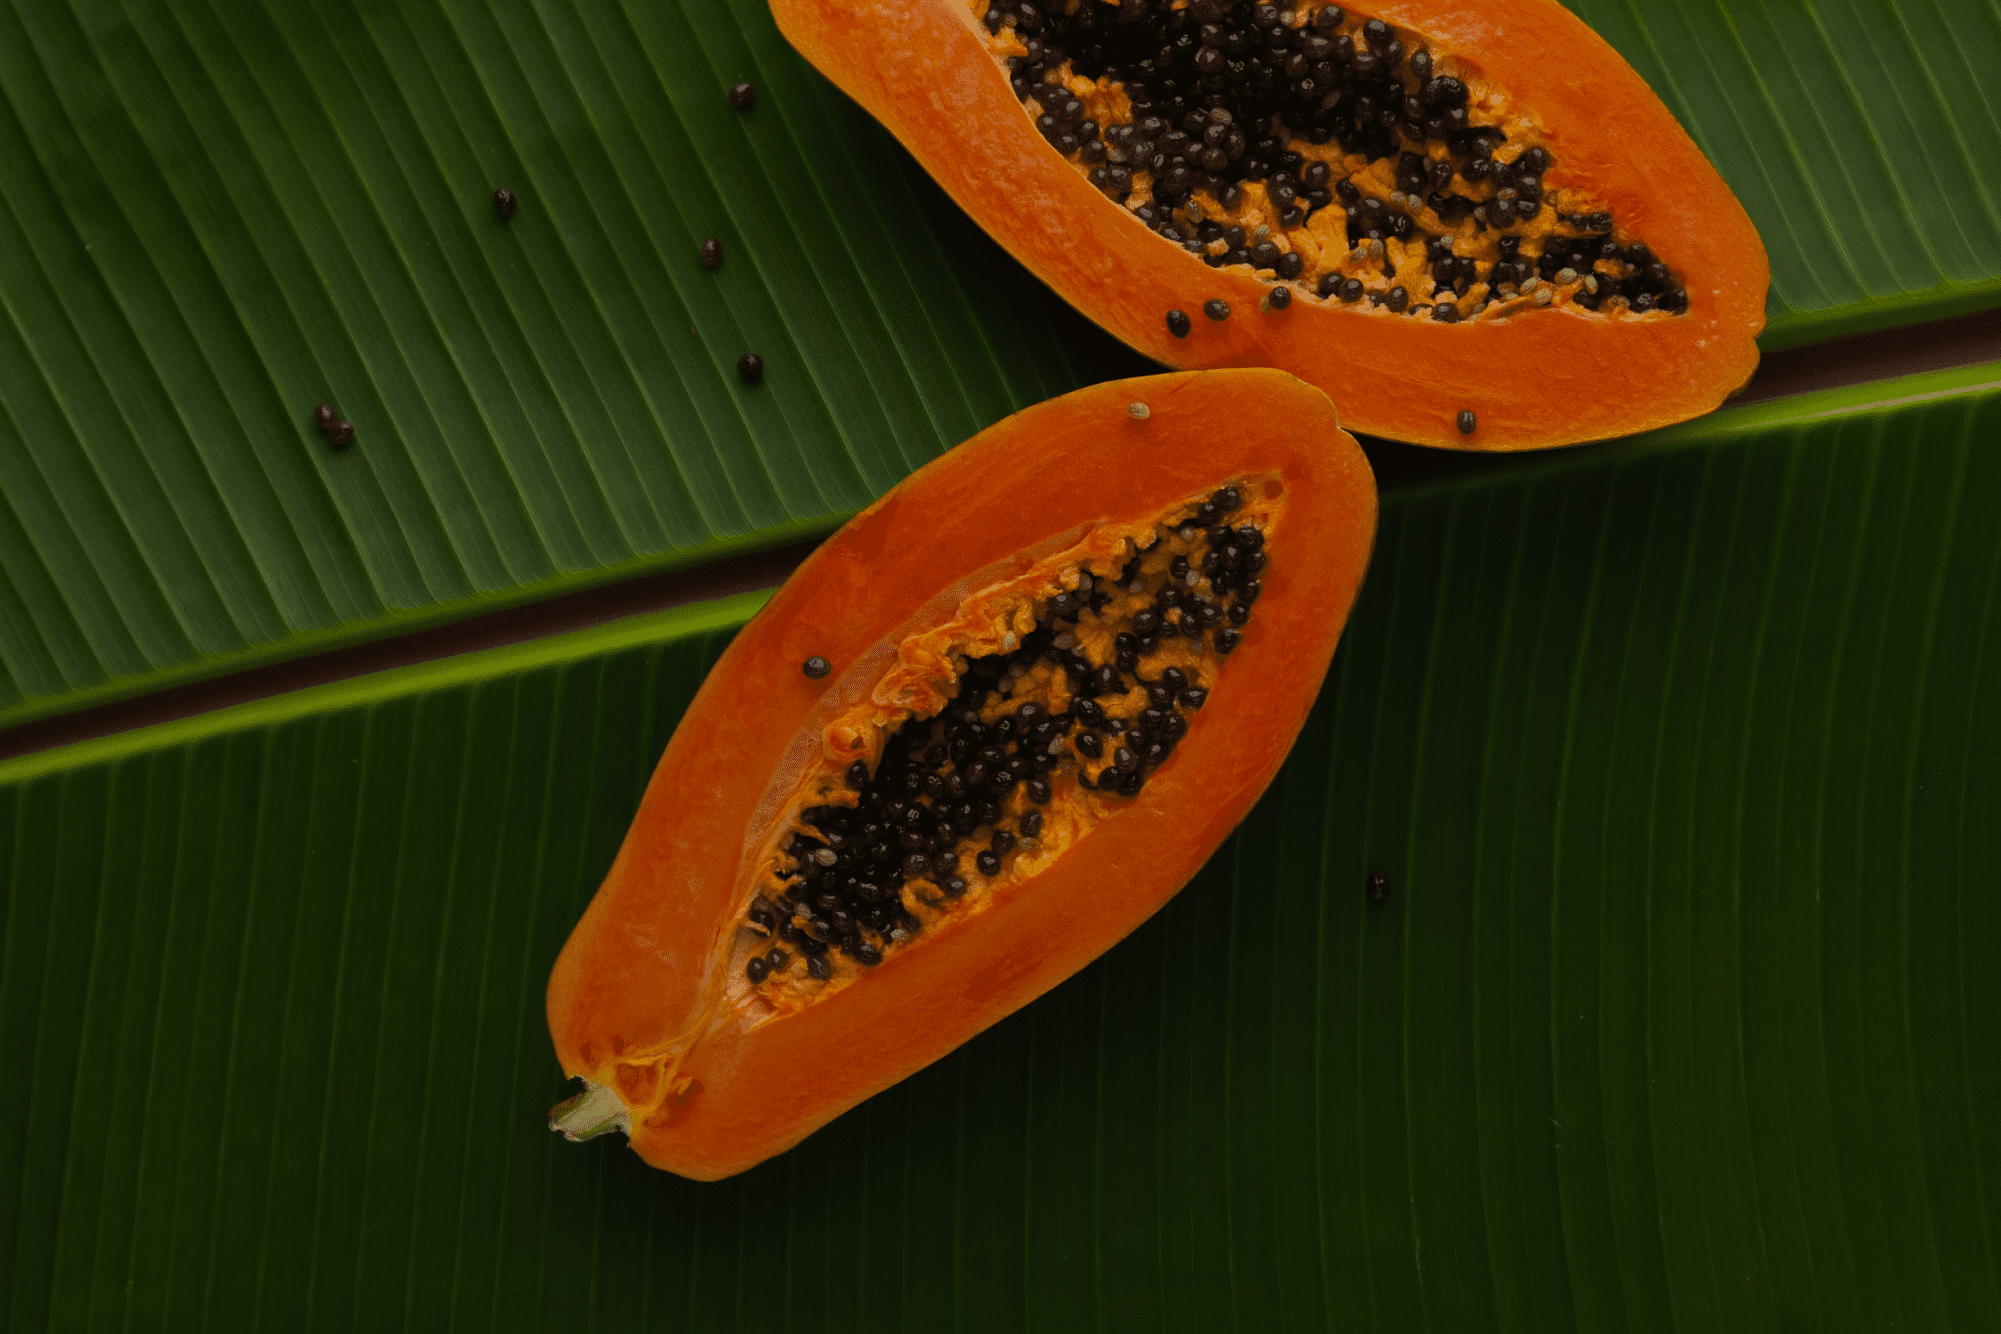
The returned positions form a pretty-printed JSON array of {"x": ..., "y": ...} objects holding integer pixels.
[
  {"x": 1066, "y": 658},
  {"x": 1428, "y": 210},
  {"x": 1017, "y": 726}
]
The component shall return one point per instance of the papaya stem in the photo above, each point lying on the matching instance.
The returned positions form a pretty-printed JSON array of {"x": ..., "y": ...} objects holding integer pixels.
[{"x": 596, "y": 1111}]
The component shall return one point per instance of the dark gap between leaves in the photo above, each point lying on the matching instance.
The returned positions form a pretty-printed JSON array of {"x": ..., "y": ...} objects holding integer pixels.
[{"x": 1097, "y": 356}]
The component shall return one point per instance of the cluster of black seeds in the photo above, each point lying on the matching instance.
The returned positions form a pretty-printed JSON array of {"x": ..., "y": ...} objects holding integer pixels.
[
  {"x": 934, "y": 807},
  {"x": 1221, "y": 90},
  {"x": 1647, "y": 285}
]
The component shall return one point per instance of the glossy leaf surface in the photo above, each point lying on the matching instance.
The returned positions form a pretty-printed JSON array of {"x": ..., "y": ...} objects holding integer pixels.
[
  {"x": 219, "y": 214},
  {"x": 1679, "y": 757},
  {"x": 1860, "y": 136}
]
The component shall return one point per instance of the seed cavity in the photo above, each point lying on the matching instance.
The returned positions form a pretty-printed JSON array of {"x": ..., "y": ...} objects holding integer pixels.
[
  {"x": 1300, "y": 141},
  {"x": 1040, "y": 709}
]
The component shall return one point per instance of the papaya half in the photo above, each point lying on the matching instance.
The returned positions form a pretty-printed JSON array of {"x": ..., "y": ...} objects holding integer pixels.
[
  {"x": 1470, "y": 222},
  {"x": 981, "y": 734}
]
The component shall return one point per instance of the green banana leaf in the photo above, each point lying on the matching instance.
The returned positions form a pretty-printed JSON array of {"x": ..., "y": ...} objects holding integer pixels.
[
  {"x": 1861, "y": 135},
  {"x": 217, "y": 215},
  {"x": 1680, "y": 755}
]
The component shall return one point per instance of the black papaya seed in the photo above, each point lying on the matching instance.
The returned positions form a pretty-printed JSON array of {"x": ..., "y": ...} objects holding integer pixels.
[{"x": 1221, "y": 93}]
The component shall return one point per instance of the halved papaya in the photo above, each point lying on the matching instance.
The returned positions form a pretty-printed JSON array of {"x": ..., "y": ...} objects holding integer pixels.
[
  {"x": 1471, "y": 223},
  {"x": 978, "y": 737}
]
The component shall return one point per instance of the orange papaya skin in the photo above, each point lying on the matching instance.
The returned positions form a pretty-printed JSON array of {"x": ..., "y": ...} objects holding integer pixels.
[
  {"x": 633, "y": 1001},
  {"x": 1533, "y": 379}
]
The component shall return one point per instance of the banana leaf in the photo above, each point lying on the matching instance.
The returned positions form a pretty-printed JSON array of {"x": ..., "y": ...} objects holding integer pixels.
[
  {"x": 217, "y": 215},
  {"x": 1680, "y": 757},
  {"x": 1861, "y": 135}
]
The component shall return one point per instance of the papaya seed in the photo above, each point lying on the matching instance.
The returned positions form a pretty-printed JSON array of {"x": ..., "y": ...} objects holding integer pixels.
[
  {"x": 1084, "y": 691},
  {"x": 1247, "y": 112}
]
